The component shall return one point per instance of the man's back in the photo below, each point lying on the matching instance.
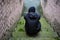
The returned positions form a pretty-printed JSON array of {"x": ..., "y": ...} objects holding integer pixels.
[
  {"x": 32, "y": 24},
  {"x": 32, "y": 18}
]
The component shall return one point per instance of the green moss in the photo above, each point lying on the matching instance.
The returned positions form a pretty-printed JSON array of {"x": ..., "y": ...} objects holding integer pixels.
[{"x": 47, "y": 32}]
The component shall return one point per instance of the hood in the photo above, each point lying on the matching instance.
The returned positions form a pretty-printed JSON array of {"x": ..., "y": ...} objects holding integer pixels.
[{"x": 31, "y": 9}]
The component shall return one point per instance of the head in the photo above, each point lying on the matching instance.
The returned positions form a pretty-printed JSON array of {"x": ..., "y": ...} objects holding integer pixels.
[{"x": 31, "y": 9}]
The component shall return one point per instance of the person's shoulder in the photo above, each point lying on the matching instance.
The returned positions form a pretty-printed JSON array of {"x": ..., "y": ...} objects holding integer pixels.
[{"x": 25, "y": 15}]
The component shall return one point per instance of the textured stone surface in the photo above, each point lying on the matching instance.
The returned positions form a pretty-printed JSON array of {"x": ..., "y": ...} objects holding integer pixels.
[
  {"x": 51, "y": 9},
  {"x": 10, "y": 11}
]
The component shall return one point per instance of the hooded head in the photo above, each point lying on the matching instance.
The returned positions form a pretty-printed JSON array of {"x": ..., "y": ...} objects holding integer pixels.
[{"x": 31, "y": 9}]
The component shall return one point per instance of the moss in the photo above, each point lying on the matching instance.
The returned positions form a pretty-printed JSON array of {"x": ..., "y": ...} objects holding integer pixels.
[{"x": 47, "y": 32}]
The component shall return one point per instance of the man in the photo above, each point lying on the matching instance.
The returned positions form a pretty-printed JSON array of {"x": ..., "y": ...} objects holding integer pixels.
[{"x": 32, "y": 24}]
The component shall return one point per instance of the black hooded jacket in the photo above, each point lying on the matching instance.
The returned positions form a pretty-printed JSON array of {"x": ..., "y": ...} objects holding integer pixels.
[{"x": 32, "y": 23}]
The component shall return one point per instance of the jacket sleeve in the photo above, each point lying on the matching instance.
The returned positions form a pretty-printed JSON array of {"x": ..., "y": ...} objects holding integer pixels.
[
  {"x": 38, "y": 16},
  {"x": 26, "y": 17}
]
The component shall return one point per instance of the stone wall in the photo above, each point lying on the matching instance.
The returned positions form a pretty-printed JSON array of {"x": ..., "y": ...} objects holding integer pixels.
[
  {"x": 51, "y": 9},
  {"x": 10, "y": 12}
]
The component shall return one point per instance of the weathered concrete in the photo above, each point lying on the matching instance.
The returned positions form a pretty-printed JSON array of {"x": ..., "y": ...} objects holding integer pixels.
[
  {"x": 10, "y": 11},
  {"x": 51, "y": 9}
]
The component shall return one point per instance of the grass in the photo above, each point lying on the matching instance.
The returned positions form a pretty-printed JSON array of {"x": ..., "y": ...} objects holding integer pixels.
[{"x": 47, "y": 32}]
